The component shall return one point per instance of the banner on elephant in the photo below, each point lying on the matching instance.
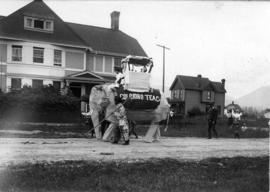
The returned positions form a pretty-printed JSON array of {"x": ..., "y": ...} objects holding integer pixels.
[{"x": 139, "y": 100}]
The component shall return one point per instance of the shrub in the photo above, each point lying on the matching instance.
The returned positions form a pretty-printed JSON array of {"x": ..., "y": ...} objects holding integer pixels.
[
  {"x": 36, "y": 104},
  {"x": 195, "y": 111}
]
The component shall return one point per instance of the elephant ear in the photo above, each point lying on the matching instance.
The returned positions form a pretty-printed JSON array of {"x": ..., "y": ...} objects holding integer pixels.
[{"x": 96, "y": 98}]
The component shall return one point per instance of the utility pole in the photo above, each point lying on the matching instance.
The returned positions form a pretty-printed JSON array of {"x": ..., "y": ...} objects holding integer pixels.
[
  {"x": 163, "y": 77},
  {"x": 1, "y": 71}
]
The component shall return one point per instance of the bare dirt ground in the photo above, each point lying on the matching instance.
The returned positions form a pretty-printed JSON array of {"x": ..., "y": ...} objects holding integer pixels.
[{"x": 21, "y": 150}]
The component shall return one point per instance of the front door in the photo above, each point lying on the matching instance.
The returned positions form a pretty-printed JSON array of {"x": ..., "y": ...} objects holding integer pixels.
[{"x": 75, "y": 89}]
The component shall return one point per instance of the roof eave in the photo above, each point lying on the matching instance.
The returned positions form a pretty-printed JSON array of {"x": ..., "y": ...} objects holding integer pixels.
[
  {"x": 111, "y": 53},
  {"x": 53, "y": 43}
]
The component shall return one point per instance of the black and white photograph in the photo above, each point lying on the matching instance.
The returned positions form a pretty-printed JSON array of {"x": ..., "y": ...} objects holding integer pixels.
[{"x": 134, "y": 96}]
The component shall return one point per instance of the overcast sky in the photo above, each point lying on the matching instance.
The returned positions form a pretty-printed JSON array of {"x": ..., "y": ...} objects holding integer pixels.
[{"x": 218, "y": 40}]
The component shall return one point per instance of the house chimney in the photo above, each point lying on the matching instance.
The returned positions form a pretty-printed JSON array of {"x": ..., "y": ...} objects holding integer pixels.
[
  {"x": 223, "y": 82},
  {"x": 199, "y": 80},
  {"x": 115, "y": 20}
]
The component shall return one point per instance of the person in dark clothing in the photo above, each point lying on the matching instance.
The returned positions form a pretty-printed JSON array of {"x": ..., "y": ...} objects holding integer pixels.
[{"x": 212, "y": 120}]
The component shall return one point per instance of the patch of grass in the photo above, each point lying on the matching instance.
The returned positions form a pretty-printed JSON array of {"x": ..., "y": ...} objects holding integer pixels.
[
  {"x": 200, "y": 130},
  {"x": 192, "y": 127},
  {"x": 198, "y": 127},
  {"x": 218, "y": 174}
]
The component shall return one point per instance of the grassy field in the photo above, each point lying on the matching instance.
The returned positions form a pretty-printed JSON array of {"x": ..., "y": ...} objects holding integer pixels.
[{"x": 219, "y": 175}]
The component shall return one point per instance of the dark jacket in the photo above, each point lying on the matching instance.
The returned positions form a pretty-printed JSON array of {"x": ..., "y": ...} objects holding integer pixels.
[{"x": 212, "y": 114}]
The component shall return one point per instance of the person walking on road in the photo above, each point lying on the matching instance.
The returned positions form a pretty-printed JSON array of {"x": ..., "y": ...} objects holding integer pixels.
[{"x": 212, "y": 120}]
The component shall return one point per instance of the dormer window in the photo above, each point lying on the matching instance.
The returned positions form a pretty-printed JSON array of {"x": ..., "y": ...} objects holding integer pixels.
[
  {"x": 36, "y": 24},
  {"x": 48, "y": 25},
  {"x": 39, "y": 24},
  {"x": 28, "y": 22}
]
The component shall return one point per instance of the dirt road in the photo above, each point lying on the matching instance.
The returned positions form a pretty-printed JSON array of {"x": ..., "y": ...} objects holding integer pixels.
[{"x": 19, "y": 150}]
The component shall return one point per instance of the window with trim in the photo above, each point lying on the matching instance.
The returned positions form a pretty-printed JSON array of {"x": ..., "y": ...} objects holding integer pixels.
[
  {"x": 38, "y": 55},
  {"x": 117, "y": 63},
  {"x": 209, "y": 95},
  {"x": 57, "y": 57},
  {"x": 37, "y": 83},
  {"x": 28, "y": 22},
  {"x": 182, "y": 94},
  {"x": 99, "y": 64},
  {"x": 44, "y": 25},
  {"x": 175, "y": 94},
  {"x": 108, "y": 65},
  {"x": 16, "y": 83},
  {"x": 48, "y": 25},
  {"x": 16, "y": 53},
  {"x": 103, "y": 64}
]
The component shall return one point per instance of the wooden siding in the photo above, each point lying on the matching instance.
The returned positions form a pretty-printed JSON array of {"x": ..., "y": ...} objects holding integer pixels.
[
  {"x": 192, "y": 99},
  {"x": 220, "y": 101},
  {"x": 3, "y": 82}
]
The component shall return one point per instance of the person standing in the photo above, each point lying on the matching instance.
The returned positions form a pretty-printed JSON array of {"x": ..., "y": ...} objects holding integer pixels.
[
  {"x": 120, "y": 114},
  {"x": 236, "y": 126},
  {"x": 171, "y": 117},
  {"x": 212, "y": 120}
]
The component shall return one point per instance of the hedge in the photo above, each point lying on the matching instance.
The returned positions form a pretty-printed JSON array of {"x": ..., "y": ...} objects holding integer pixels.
[
  {"x": 44, "y": 104},
  {"x": 195, "y": 111}
]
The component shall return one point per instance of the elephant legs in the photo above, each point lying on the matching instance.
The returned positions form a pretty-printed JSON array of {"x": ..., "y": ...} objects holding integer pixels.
[
  {"x": 153, "y": 133},
  {"x": 110, "y": 132},
  {"x": 96, "y": 124}
]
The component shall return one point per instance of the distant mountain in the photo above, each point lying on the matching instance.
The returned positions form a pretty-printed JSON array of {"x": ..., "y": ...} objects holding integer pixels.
[{"x": 259, "y": 99}]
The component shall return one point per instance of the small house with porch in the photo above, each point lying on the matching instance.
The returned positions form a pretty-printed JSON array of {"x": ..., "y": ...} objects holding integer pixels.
[{"x": 189, "y": 92}]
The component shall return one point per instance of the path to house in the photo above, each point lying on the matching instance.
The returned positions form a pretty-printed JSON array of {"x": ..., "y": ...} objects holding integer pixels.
[{"x": 19, "y": 150}]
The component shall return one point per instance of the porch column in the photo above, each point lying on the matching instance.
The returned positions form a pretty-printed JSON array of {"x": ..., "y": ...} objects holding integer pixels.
[
  {"x": 83, "y": 104},
  {"x": 65, "y": 87}
]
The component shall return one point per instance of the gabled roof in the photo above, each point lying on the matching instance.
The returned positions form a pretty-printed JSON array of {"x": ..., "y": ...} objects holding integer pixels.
[
  {"x": 12, "y": 26},
  {"x": 218, "y": 87},
  {"x": 70, "y": 34},
  {"x": 87, "y": 76},
  {"x": 198, "y": 84},
  {"x": 108, "y": 40}
]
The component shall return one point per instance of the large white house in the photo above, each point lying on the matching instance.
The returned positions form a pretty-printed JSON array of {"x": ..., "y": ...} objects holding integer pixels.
[{"x": 38, "y": 48}]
